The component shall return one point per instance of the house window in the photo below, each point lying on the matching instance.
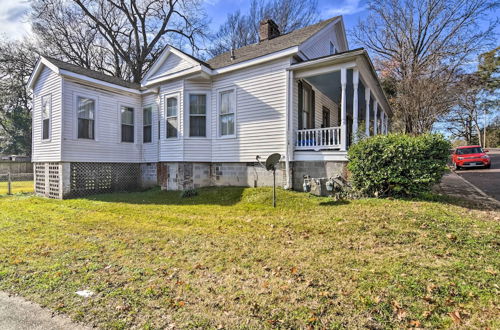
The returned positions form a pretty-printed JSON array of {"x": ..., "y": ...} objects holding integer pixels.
[
  {"x": 147, "y": 121},
  {"x": 227, "y": 109},
  {"x": 197, "y": 115},
  {"x": 332, "y": 48},
  {"x": 46, "y": 113},
  {"x": 86, "y": 118},
  {"x": 172, "y": 121},
  {"x": 127, "y": 115}
]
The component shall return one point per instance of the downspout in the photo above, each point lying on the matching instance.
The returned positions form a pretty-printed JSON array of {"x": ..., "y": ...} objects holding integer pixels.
[{"x": 289, "y": 121}]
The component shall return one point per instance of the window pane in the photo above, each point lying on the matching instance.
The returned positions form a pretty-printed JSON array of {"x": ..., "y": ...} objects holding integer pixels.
[
  {"x": 85, "y": 128},
  {"x": 172, "y": 127},
  {"x": 197, "y": 104},
  {"x": 46, "y": 126},
  {"x": 197, "y": 126},
  {"x": 148, "y": 116},
  {"x": 45, "y": 107},
  {"x": 227, "y": 124},
  {"x": 227, "y": 102},
  {"x": 171, "y": 106},
  {"x": 86, "y": 108},
  {"x": 147, "y": 134},
  {"x": 127, "y": 133},
  {"x": 127, "y": 116}
]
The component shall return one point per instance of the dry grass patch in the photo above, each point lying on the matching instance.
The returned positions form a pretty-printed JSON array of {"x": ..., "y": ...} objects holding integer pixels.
[{"x": 226, "y": 259}]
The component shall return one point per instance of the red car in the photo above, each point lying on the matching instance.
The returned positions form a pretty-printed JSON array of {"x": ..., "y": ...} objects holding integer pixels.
[{"x": 470, "y": 156}]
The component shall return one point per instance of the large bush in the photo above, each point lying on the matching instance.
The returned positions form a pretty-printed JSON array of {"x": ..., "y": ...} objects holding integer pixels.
[{"x": 401, "y": 165}]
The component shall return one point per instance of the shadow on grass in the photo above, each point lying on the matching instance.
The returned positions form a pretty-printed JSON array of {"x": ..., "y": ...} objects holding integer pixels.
[
  {"x": 335, "y": 203},
  {"x": 451, "y": 200},
  {"x": 222, "y": 196}
]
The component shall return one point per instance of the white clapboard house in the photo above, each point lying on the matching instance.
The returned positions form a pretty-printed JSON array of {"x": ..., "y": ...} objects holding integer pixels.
[{"x": 193, "y": 123}]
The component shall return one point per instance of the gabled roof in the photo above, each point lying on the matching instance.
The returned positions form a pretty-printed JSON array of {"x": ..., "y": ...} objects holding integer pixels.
[
  {"x": 266, "y": 47},
  {"x": 91, "y": 73}
]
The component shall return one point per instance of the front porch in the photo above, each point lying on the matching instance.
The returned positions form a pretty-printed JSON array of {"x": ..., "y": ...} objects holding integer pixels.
[{"x": 336, "y": 101}]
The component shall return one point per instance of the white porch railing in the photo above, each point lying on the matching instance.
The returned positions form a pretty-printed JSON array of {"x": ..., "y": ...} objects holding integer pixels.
[{"x": 317, "y": 138}]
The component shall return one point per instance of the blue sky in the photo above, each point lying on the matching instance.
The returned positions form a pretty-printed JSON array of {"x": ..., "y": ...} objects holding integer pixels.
[{"x": 14, "y": 25}]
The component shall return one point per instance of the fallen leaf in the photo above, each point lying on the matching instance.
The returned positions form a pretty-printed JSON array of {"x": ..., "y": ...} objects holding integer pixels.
[
  {"x": 415, "y": 323},
  {"x": 456, "y": 317},
  {"x": 293, "y": 270}
]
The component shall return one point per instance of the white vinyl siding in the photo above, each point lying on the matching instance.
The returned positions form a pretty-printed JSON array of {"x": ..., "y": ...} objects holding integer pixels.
[
  {"x": 47, "y": 83},
  {"x": 107, "y": 146},
  {"x": 172, "y": 64},
  {"x": 319, "y": 44},
  {"x": 260, "y": 125},
  {"x": 171, "y": 149}
]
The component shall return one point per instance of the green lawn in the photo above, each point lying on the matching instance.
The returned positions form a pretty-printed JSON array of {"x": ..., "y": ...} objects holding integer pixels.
[
  {"x": 17, "y": 187},
  {"x": 227, "y": 259}
]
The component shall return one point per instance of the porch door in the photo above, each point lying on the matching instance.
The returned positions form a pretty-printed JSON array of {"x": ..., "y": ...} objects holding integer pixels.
[{"x": 306, "y": 106}]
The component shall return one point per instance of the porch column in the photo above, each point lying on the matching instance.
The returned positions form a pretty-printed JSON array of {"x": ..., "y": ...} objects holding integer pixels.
[
  {"x": 343, "y": 111},
  {"x": 382, "y": 128},
  {"x": 367, "y": 119},
  {"x": 375, "y": 117},
  {"x": 355, "y": 82}
]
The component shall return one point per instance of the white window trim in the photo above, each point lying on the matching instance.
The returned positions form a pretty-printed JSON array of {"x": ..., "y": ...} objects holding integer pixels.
[
  {"x": 96, "y": 117},
  {"x": 187, "y": 114},
  {"x": 135, "y": 123},
  {"x": 152, "y": 123},
  {"x": 165, "y": 117},
  {"x": 49, "y": 139},
  {"x": 219, "y": 92}
]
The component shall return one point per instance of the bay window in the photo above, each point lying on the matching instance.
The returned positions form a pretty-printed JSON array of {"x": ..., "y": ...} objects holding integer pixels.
[
  {"x": 46, "y": 114},
  {"x": 172, "y": 104},
  {"x": 147, "y": 122},
  {"x": 197, "y": 115}
]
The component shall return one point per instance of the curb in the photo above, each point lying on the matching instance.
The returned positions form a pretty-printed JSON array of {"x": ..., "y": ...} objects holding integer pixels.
[{"x": 482, "y": 193}]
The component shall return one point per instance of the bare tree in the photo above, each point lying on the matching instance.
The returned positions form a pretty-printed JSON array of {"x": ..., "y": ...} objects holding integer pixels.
[
  {"x": 243, "y": 29},
  {"x": 120, "y": 37},
  {"x": 421, "y": 45}
]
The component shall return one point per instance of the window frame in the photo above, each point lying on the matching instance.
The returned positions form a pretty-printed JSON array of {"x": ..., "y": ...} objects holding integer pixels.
[
  {"x": 42, "y": 118},
  {"x": 187, "y": 116},
  {"x": 219, "y": 114},
  {"x": 134, "y": 116},
  {"x": 166, "y": 117},
  {"x": 96, "y": 116},
  {"x": 151, "y": 109}
]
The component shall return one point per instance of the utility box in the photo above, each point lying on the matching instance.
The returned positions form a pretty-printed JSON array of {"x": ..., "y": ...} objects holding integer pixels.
[{"x": 319, "y": 187}]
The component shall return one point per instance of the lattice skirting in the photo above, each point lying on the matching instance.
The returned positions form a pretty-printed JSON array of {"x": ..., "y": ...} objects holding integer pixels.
[
  {"x": 48, "y": 179},
  {"x": 95, "y": 178}
]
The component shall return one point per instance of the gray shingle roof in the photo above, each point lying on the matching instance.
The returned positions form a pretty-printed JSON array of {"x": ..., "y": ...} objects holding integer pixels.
[
  {"x": 266, "y": 47},
  {"x": 92, "y": 74}
]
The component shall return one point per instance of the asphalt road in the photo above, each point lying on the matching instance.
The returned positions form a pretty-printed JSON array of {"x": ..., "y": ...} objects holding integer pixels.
[{"x": 488, "y": 180}]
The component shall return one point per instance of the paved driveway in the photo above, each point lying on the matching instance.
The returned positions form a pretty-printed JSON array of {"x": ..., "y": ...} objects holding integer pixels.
[{"x": 488, "y": 180}]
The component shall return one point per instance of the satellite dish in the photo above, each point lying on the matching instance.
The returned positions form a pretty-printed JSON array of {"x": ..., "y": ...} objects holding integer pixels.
[{"x": 272, "y": 161}]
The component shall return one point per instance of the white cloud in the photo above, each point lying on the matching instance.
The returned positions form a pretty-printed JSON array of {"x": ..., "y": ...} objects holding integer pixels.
[
  {"x": 347, "y": 7},
  {"x": 13, "y": 20}
]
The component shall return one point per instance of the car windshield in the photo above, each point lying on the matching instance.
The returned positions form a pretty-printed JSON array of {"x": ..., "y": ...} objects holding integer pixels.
[{"x": 466, "y": 151}]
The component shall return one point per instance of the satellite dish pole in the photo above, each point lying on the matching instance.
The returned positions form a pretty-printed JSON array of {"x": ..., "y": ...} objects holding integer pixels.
[{"x": 270, "y": 165}]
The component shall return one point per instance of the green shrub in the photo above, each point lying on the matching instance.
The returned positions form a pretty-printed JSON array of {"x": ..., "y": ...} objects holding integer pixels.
[
  {"x": 188, "y": 193},
  {"x": 397, "y": 165}
]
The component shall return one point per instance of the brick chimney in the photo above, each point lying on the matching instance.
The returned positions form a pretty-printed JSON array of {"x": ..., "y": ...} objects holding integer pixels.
[{"x": 268, "y": 30}]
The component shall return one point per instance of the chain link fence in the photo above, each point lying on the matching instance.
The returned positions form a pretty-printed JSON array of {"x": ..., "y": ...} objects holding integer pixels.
[{"x": 14, "y": 183}]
